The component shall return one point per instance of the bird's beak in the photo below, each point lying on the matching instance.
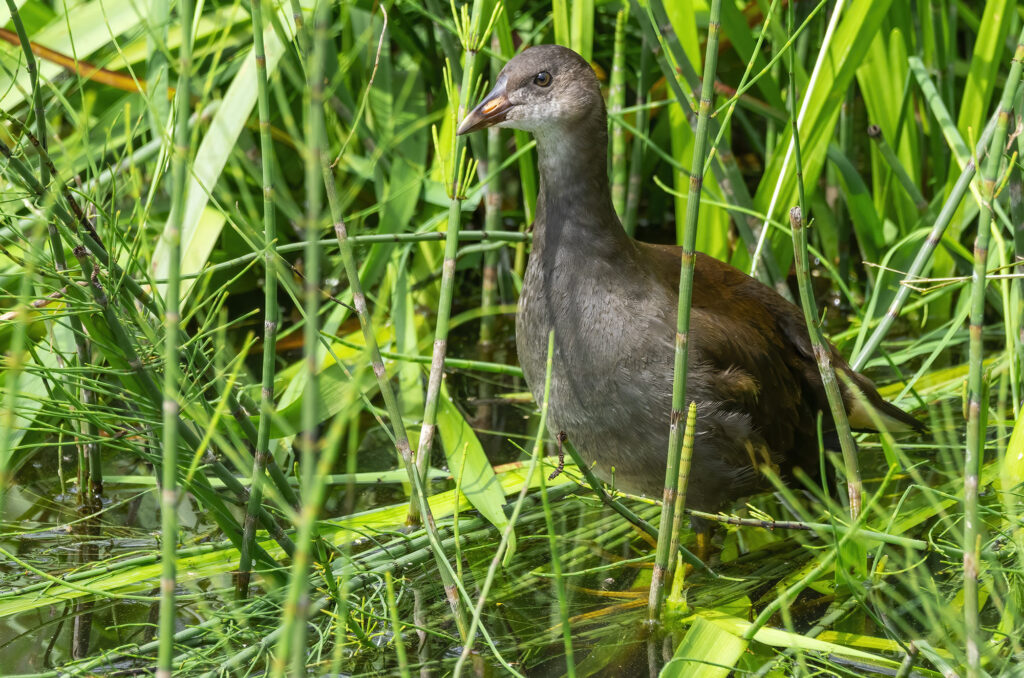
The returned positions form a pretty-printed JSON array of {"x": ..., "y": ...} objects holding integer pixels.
[{"x": 492, "y": 110}]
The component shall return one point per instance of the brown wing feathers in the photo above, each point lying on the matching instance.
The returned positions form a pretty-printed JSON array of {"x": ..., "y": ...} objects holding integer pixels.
[{"x": 760, "y": 341}]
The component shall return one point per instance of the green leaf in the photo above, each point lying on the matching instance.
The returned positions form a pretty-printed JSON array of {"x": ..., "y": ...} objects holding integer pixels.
[
  {"x": 989, "y": 47},
  {"x": 339, "y": 388},
  {"x": 1011, "y": 471},
  {"x": 581, "y": 28},
  {"x": 222, "y": 560},
  {"x": 860, "y": 22},
  {"x": 881, "y": 80},
  {"x": 85, "y": 29},
  {"x": 208, "y": 25},
  {"x": 708, "y": 650},
  {"x": 466, "y": 458},
  {"x": 196, "y": 238},
  {"x": 736, "y": 627},
  {"x": 195, "y": 252},
  {"x": 866, "y": 222}
]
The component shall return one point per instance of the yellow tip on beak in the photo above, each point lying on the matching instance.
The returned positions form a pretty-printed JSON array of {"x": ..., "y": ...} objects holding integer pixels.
[
  {"x": 492, "y": 110},
  {"x": 489, "y": 106}
]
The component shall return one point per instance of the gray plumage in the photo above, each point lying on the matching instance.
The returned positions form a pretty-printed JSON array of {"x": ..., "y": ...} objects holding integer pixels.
[{"x": 612, "y": 301}]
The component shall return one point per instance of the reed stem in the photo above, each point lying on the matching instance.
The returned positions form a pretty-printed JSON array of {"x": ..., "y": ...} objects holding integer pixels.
[
  {"x": 401, "y": 440},
  {"x": 472, "y": 39},
  {"x": 681, "y": 484},
  {"x": 897, "y": 168},
  {"x": 172, "y": 319},
  {"x": 616, "y": 101},
  {"x": 91, "y": 471},
  {"x": 974, "y": 451},
  {"x": 291, "y": 650},
  {"x": 681, "y": 363},
  {"x": 270, "y": 307}
]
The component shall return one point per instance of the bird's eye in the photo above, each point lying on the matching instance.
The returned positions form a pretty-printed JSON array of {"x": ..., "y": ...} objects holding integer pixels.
[{"x": 542, "y": 79}]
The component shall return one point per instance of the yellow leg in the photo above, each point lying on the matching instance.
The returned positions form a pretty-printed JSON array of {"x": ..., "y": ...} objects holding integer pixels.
[{"x": 704, "y": 546}]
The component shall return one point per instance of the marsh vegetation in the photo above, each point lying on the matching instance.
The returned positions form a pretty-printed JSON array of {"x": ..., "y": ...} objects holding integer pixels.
[{"x": 260, "y": 407}]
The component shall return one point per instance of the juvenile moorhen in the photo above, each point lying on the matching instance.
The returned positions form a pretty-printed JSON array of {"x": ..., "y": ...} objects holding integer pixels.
[{"x": 611, "y": 302}]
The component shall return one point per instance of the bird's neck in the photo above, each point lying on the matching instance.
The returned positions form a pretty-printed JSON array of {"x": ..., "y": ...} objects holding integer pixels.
[{"x": 574, "y": 206}]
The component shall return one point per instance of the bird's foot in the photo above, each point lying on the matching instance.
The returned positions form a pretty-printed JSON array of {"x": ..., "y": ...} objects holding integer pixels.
[{"x": 561, "y": 437}]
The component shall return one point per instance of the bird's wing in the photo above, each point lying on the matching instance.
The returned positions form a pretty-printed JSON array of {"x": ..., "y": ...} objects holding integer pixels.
[{"x": 748, "y": 330}]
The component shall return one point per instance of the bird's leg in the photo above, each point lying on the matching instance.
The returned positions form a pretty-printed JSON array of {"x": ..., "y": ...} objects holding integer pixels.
[
  {"x": 766, "y": 457},
  {"x": 749, "y": 446},
  {"x": 703, "y": 545},
  {"x": 561, "y": 438}
]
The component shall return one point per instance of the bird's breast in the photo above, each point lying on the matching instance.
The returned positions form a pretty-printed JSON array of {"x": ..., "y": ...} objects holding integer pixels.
[{"x": 611, "y": 356}]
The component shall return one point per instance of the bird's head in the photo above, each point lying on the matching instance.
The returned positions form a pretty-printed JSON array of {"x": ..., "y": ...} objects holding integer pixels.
[{"x": 547, "y": 87}]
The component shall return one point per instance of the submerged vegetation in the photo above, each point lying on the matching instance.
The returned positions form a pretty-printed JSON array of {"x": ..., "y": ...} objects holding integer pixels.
[{"x": 260, "y": 412}]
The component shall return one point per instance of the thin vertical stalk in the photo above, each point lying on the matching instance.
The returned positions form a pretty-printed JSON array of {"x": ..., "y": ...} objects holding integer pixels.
[
  {"x": 724, "y": 168},
  {"x": 506, "y": 534},
  {"x": 292, "y": 644},
  {"x": 134, "y": 376},
  {"x": 270, "y": 308},
  {"x": 15, "y": 360},
  {"x": 82, "y": 230},
  {"x": 559, "y": 580},
  {"x": 492, "y": 222},
  {"x": 527, "y": 168},
  {"x": 492, "y": 217},
  {"x": 396, "y": 625},
  {"x": 391, "y": 402},
  {"x": 636, "y": 160},
  {"x": 616, "y": 101},
  {"x": 975, "y": 447},
  {"x": 158, "y": 20},
  {"x": 822, "y": 351},
  {"x": 451, "y": 585},
  {"x": 342, "y": 616},
  {"x": 595, "y": 484},
  {"x": 136, "y": 372},
  {"x": 893, "y": 163},
  {"x": 301, "y": 29},
  {"x": 78, "y": 229},
  {"x": 172, "y": 318},
  {"x": 292, "y": 647},
  {"x": 75, "y": 221},
  {"x": 823, "y": 356},
  {"x": 1017, "y": 298},
  {"x": 812, "y": 83},
  {"x": 468, "y": 28},
  {"x": 841, "y": 210},
  {"x": 33, "y": 75},
  {"x": 688, "y": 260},
  {"x": 681, "y": 484}
]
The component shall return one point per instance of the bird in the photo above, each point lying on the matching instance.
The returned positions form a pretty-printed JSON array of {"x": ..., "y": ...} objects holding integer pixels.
[{"x": 612, "y": 302}]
